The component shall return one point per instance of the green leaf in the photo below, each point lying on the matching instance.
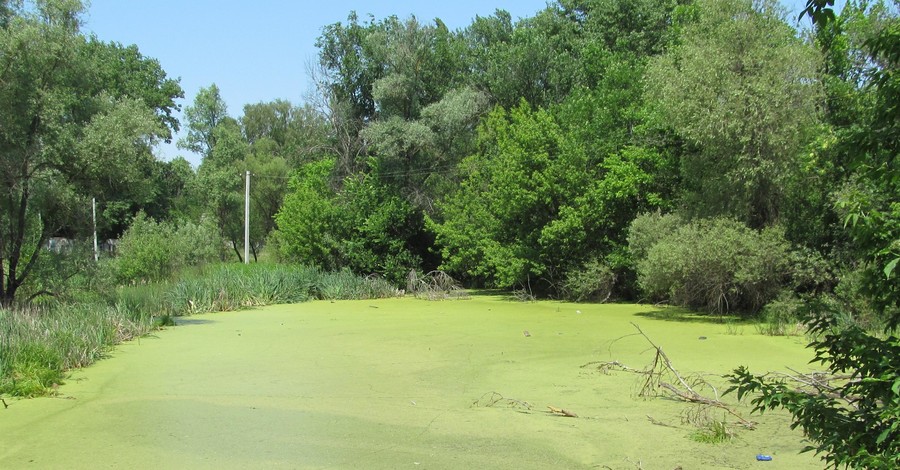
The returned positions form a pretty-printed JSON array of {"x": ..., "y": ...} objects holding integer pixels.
[{"x": 889, "y": 268}]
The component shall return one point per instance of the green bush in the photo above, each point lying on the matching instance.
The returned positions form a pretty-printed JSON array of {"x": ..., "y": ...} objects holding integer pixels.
[
  {"x": 593, "y": 282},
  {"x": 647, "y": 230},
  {"x": 717, "y": 265},
  {"x": 782, "y": 316},
  {"x": 151, "y": 251},
  {"x": 366, "y": 227}
]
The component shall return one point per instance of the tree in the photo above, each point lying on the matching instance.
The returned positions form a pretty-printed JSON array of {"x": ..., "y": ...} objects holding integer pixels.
[
  {"x": 296, "y": 133},
  {"x": 123, "y": 71},
  {"x": 203, "y": 117},
  {"x": 535, "y": 202},
  {"x": 118, "y": 164},
  {"x": 364, "y": 227},
  {"x": 54, "y": 123},
  {"x": 744, "y": 89},
  {"x": 856, "y": 422}
]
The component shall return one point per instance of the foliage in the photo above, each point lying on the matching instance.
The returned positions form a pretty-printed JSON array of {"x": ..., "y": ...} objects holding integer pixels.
[
  {"x": 123, "y": 71},
  {"x": 856, "y": 421},
  {"x": 308, "y": 219},
  {"x": 207, "y": 112},
  {"x": 781, "y": 317},
  {"x": 742, "y": 87},
  {"x": 522, "y": 213},
  {"x": 718, "y": 265},
  {"x": 853, "y": 423},
  {"x": 649, "y": 229},
  {"x": 153, "y": 251},
  {"x": 383, "y": 234},
  {"x": 65, "y": 101},
  {"x": 364, "y": 228},
  {"x": 594, "y": 282}
]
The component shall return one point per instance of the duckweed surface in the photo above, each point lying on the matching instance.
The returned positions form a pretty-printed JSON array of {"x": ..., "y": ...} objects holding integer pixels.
[{"x": 401, "y": 383}]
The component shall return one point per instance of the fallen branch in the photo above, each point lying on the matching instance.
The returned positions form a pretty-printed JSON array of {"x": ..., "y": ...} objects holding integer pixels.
[
  {"x": 659, "y": 423},
  {"x": 561, "y": 412},
  {"x": 5, "y": 406},
  {"x": 662, "y": 375}
]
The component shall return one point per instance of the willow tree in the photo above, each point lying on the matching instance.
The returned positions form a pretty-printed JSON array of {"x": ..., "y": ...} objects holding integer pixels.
[{"x": 742, "y": 87}]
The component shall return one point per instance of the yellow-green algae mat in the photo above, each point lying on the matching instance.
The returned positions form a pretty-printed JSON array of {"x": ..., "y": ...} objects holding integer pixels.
[{"x": 399, "y": 383}]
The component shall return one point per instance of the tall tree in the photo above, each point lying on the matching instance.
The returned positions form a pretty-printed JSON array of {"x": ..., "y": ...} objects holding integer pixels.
[
  {"x": 856, "y": 422},
  {"x": 207, "y": 112},
  {"x": 56, "y": 127},
  {"x": 123, "y": 71},
  {"x": 743, "y": 88}
]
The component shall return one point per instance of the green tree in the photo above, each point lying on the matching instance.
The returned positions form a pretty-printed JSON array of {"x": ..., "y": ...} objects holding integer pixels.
[
  {"x": 856, "y": 423},
  {"x": 364, "y": 227},
  {"x": 203, "y": 117},
  {"x": 269, "y": 184},
  {"x": 308, "y": 220},
  {"x": 536, "y": 202},
  {"x": 123, "y": 71},
  {"x": 743, "y": 88},
  {"x": 54, "y": 125}
]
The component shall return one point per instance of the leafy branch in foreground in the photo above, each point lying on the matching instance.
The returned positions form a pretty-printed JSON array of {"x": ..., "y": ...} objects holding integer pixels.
[{"x": 853, "y": 416}]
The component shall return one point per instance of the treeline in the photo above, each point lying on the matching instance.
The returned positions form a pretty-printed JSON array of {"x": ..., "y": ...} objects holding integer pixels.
[
  {"x": 695, "y": 152},
  {"x": 699, "y": 152}
]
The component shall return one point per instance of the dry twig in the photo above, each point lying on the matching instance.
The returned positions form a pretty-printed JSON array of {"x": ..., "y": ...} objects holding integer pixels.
[
  {"x": 662, "y": 375},
  {"x": 561, "y": 412}
]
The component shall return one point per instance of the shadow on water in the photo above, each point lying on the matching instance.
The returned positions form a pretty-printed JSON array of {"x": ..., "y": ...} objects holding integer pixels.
[
  {"x": 683, "y": 315},
  {"x": 182, "y": 321},
  {"x": 488, "y": 293}
]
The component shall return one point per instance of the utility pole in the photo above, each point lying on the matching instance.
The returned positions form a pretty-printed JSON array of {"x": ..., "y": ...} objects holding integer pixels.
[
  {"x": 94, "y": 209},
  {"x": 247, "y": 220}
]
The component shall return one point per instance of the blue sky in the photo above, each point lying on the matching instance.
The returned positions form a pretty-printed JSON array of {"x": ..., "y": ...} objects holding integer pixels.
[{"x": 259, "y": 51}]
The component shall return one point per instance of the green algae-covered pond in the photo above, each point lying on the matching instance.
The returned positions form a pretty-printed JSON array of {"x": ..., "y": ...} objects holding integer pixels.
[{"x": 400, "y": 383}]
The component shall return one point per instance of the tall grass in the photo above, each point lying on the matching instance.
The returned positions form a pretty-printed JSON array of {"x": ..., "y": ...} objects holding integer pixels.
[
  {"x": 233, "y": 287},
  {"x": 38, "y": 344}
]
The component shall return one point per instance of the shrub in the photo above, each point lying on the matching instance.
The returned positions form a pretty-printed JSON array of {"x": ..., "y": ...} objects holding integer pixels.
[
  {"x": 365, "y": 227},
  {"x": 647, "y": 230},
  {"x": 593, "y": 282},
  {"x": 717, "y": 265},
  {"x": 151, "y": 251},
  {"x": 781, "y": 317}
]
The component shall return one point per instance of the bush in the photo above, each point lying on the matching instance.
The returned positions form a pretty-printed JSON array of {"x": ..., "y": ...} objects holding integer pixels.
[
  {"x": 717, "y": 265},
  {"x": 647, "y": 230},
  {"x": 365, "y": 228},
  {"x": 593, "y": 282},
  {"x": 151, "y": 251},
  {"x": 782, "y": 316}
]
